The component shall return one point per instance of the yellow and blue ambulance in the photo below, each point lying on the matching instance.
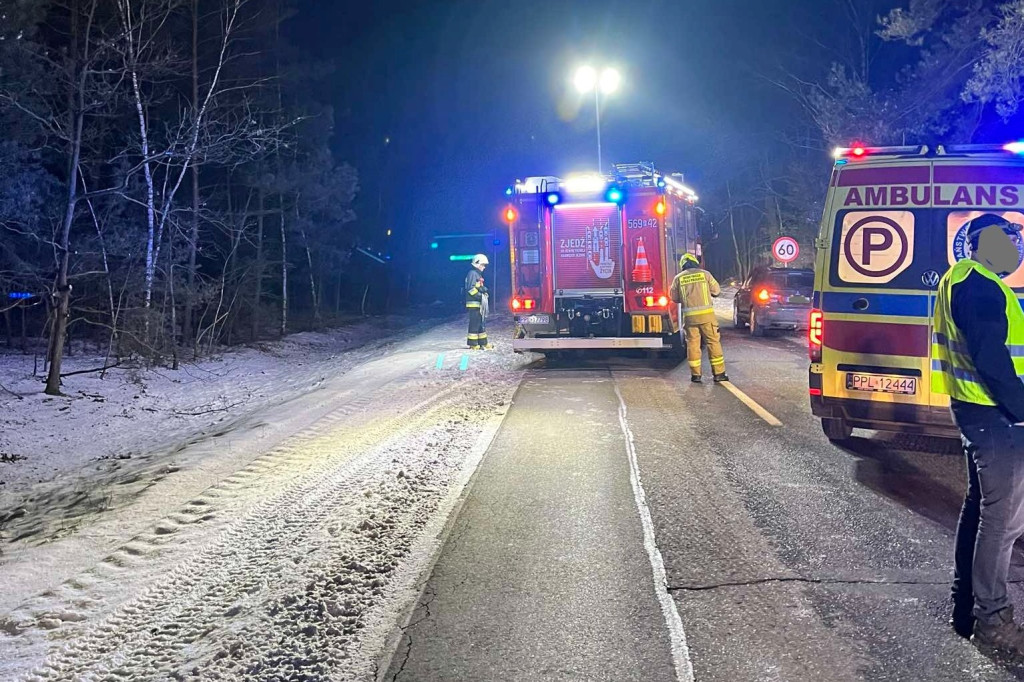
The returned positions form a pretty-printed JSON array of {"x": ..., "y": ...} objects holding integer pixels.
[{"x": 895, "y": 220}]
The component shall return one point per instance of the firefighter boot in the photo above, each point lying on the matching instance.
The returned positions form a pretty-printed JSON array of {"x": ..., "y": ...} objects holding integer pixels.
[
  {"x": 695, "y": 378},
  {"x": 1004, "y": 634},
  {"x": 720, "y": 377}
]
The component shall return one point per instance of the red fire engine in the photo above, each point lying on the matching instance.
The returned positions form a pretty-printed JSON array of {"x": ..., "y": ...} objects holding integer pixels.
[{"x": 593, "y": 257}]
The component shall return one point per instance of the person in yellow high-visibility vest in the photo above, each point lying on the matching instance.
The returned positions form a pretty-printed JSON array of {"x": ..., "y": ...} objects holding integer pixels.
[
  {"x": 978, "y": 360},
  {"x": 693, "y": 289}
]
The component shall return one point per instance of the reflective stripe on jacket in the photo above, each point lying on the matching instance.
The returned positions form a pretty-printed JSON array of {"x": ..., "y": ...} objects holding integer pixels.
[
  {"x": 694, "y": 288},
  {"x": 953, "y": 371},
  {"x": 474, "y": 288}
]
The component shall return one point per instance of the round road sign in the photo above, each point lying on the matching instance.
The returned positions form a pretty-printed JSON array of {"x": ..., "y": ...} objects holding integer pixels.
[{"x": 785, "y": 249}]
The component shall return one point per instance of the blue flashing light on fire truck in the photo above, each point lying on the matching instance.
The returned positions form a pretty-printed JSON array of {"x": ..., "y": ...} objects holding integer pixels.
[{"x": 592, "y": 258}]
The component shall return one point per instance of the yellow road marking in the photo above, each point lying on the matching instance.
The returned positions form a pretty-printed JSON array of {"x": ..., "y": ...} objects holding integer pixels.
[{"x": 752, "y": 404}]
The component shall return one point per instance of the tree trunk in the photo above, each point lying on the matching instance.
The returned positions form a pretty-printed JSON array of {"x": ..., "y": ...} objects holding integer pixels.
[
  {"x": 259, "y": 270},
  {"x": 61, "y": 295},
  {"x": 152, "y": 239},
  {"x": 193, "y": 245},
  {"x": 312, "y": 271},
  {"x": 337, "y": 294},
  {"x": 284, "y": 273},
  {"x": 174, "y": 305},
  {"x": 110, "y": 286},
  {"x": 732, "y": 229}
]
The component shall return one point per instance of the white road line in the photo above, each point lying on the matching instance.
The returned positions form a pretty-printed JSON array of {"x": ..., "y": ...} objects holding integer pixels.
[
  {"x": 680, "y": 652},
  {"x": 752, "y": 404}
]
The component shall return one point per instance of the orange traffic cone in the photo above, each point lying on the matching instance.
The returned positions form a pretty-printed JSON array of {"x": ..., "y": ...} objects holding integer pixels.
[{"x": 642, "y": 269}]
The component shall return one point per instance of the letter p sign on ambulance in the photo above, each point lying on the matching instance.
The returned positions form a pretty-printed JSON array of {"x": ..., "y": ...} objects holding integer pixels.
[{"x": 875, "y": 246}]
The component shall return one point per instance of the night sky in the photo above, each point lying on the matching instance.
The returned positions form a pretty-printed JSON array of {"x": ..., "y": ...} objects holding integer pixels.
[{"x": 473, "y": 94}]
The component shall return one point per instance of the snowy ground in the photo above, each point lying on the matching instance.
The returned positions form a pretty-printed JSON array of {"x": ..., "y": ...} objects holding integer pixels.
[
  {"x": 132, "y": 412},
  {"x": 280, "y": 541}
]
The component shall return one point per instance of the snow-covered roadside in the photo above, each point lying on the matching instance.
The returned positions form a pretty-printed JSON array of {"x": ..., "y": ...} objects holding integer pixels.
[
  {"x": 135, "y": 411},
  {"x": 297, "y": 563},
  {"x": 723, "y": 304}
]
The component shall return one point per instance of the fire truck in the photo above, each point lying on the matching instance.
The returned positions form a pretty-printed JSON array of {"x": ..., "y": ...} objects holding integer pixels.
[{"x": 593, "y": 256}]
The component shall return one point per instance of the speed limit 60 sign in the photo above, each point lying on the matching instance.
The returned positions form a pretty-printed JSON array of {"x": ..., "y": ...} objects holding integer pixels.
[{"x": 785, "y": 249}]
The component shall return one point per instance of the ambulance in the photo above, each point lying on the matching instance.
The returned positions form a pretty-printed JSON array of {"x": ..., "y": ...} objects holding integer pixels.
[
  {"x": 593, "y": 255},
  {"x": 895, "y": 220}
]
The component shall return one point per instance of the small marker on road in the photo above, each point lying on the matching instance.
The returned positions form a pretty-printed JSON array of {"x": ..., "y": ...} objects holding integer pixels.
[
  {"x": 752, "y": 404},
  {"x": 464, "y": 365},
  {"x": 440, "y": 361}
]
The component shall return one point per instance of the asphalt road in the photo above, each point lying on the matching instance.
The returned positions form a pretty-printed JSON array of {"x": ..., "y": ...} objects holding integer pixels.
[{"x": 786, "y": 557}]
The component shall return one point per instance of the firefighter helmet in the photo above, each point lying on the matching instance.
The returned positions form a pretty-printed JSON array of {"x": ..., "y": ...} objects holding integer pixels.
[
  {"x": 480, "y": 260},
  {"x": 688, "y": 258}
]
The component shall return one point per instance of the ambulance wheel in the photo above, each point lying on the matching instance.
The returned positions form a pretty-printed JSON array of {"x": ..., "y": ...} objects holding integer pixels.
[
  {"x": 755, "y": 327},
  {"x": 737, "y": 323},
  {"x": 836, "y": 430}
]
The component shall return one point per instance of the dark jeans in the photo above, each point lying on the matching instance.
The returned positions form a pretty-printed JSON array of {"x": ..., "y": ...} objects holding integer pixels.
[{"x": 992, "y": 517}]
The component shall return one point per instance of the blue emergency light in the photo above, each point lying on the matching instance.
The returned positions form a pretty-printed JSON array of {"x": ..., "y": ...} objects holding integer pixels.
[
  {"x": 614, "y": 195},
  {"x": 19, "y": 295},
  {"x": 553, "y": 198}
]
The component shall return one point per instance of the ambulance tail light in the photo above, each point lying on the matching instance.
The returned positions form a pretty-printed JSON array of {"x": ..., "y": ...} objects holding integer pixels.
[{"x": 815, "y": 334}]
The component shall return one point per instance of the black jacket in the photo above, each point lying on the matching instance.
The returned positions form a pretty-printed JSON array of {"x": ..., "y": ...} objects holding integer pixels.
[{"x": 474, "y": 288}]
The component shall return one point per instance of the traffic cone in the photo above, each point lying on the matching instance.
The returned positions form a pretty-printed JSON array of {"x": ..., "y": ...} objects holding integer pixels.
[{"x": 642, "y": 269}]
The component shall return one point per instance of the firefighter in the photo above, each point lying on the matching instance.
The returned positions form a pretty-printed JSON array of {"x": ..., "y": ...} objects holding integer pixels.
[
  {"x": 475, "y": 294},
  {"x": 693, "y": 289},
  {"x": 977, "y": 361}
]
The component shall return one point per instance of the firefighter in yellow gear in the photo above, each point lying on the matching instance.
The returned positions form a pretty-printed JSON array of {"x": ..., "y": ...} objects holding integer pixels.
[
  {"x": 476, "y": 293},
  {"x": 693, "y": 289}
]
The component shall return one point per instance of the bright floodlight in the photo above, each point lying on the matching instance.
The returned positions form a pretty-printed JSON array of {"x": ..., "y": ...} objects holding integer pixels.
[
  {"x": 588, "y": 183},
  {"x": 585, "y": 79},
  {"x": 610, "y": 80}
]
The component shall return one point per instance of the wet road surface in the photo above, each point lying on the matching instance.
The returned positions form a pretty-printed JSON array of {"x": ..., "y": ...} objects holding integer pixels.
[{"x": 787, "y": 557}]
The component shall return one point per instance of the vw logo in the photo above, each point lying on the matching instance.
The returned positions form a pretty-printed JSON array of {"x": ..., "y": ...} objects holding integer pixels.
[{"x": 930, "y": 279}]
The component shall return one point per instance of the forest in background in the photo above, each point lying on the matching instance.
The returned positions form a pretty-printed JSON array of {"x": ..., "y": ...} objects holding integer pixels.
[{"x": 161, "y": 196}]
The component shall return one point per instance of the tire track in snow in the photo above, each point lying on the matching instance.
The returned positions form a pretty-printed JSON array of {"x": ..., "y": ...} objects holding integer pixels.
[{"x": 301, "y": 535}]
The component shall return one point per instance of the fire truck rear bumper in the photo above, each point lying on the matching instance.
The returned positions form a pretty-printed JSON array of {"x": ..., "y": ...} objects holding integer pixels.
[{"x": 571, "y": 343}]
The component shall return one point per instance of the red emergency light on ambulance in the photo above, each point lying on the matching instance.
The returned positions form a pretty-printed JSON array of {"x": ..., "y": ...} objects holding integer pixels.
[{"x": 593, "y": 257}]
